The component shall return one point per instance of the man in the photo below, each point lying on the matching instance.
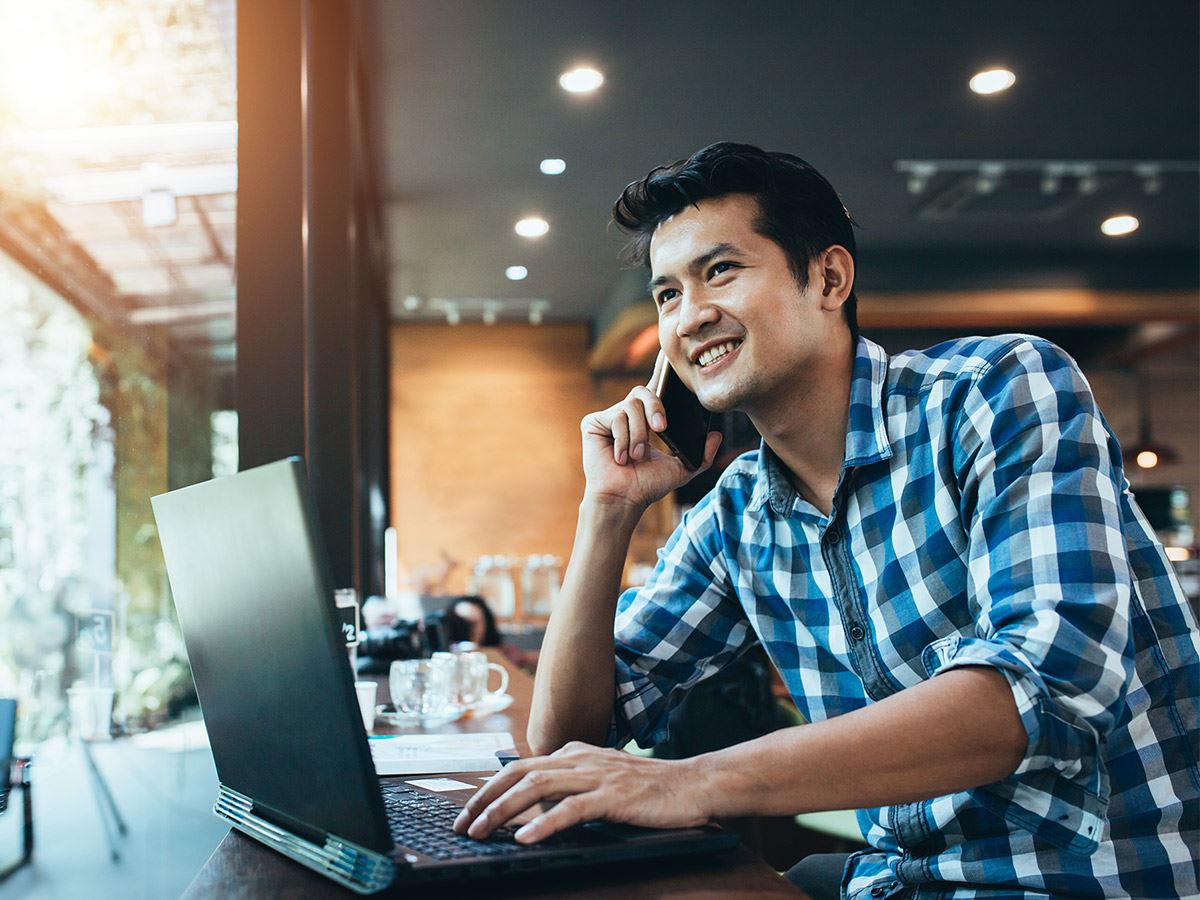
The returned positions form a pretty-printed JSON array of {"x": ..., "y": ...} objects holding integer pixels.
[{"x": 937, "y": 550}]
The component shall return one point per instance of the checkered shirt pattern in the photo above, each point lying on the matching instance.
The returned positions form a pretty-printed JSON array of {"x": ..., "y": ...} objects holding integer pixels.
[{"x": 982, "y": 518}]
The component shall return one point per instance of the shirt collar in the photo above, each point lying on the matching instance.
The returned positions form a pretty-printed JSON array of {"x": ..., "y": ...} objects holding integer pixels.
[
  {"x": 866, "y": 427},
  {"x": 866, "y": 430}
]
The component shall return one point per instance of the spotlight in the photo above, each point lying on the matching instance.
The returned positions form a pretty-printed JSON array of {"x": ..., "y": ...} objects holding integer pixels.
[
  {"x": 1052, "y": 177},
  {"x": 1151, "y": 178},
  {"x": 1088, "y": 182},
  {"x": 920, "y": 174},
  {"x": 581, "y": 80},
  {"x": 992, "y": 81},
  {"x": 532, "y": 227},
  {"x": 516, "y": 273},
  {"x": 452, "y": 316},
  {"x": 412, "y": 302},
  {"x": 990, "y": 175},
  {"x": 553, "y": 166},
  {"x": 1117, "y": 226}
]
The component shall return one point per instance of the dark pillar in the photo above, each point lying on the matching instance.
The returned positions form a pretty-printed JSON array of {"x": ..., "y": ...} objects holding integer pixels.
[
  {"x": 308, "y": 296},
  {"x": 272, "y": 310}
]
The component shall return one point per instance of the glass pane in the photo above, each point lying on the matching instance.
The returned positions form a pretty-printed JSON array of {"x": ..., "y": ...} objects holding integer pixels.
[{"x": 118, "y": 173}]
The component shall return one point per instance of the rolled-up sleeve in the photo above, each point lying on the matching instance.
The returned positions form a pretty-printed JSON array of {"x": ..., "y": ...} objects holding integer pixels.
[
  {"x": 681, "y": 627},
  {"x": 1040, "y": 481}
]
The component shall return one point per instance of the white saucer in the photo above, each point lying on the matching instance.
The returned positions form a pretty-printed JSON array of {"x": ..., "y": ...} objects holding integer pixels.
[
  {"x": 385, "y": 712},
  {"x": 492, "y": 703}
]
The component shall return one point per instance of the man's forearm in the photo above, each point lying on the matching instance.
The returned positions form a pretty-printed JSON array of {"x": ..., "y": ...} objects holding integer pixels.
[
  {"x": 959, "y": 730},
  {"x": 574, "y": 688}
]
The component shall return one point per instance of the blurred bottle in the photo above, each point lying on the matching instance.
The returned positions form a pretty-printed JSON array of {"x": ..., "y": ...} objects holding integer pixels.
[
  {"x": 540, "y": 582},
  {"x": 493, "y": 581}
]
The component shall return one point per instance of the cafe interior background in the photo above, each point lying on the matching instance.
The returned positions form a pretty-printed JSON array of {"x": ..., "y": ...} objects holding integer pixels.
[{"x": 375, "y": 234}]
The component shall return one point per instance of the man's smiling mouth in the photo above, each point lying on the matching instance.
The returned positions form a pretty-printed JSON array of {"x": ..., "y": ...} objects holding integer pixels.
[{"x": 712, "y": 354}]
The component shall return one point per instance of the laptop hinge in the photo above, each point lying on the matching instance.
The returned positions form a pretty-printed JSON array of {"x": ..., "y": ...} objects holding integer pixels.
[{"x": 362, "y": 870}]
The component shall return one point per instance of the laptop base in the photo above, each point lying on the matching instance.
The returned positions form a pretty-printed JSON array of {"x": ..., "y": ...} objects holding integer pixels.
[{"x": 363, "y": 871}]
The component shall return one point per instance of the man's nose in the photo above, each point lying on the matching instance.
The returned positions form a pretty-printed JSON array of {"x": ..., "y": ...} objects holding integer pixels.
[{"x": 694, "y": 313}]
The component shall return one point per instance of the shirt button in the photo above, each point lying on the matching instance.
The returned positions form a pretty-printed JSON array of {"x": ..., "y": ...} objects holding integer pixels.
[
  {"x": 834, "y": 536},
  {"x": 878, "y": 891},
  {"x": 857, "y": 633}
]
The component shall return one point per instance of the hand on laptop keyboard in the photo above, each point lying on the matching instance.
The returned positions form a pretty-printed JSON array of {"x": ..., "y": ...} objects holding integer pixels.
[
  {"x": 590, "y": 783},
  {"x": 424, "y": 823}
]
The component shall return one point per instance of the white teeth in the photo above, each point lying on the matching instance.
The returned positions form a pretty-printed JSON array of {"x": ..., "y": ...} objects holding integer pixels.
[{"x": 712, "y": 354}]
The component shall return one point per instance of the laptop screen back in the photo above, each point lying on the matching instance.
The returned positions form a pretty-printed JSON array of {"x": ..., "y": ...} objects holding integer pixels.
[{"x": 251, "y": 586}]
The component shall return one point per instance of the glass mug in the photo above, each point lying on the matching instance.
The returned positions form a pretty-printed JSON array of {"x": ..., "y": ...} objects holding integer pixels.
[
  {"x": 422, "y": 687},
  {"x": 471, "y": 674}
]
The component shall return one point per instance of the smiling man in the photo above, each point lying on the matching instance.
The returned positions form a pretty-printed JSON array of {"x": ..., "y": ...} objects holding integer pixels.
[{"x": 937, "y": 549}]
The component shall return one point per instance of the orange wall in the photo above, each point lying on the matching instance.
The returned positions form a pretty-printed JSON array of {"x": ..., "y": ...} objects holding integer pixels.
[{"x": 485, "y": 439}]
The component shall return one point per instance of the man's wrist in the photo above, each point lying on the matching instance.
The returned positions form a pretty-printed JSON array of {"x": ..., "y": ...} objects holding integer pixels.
[
  {"x": 607, "y": 511},
  {"x": 716, "y": 780}
]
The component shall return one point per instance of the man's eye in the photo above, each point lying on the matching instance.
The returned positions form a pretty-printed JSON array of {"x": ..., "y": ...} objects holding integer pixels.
[
  {"x": 720, "y": 268},
  {"x": 667, "y": 295}
]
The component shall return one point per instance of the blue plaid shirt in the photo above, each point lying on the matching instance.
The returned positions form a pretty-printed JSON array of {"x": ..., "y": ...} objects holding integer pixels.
[{"x": 982, "y": 518}]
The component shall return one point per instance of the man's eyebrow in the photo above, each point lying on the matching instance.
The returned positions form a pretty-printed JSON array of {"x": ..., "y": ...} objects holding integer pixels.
[{"x": 697, "y": 264}]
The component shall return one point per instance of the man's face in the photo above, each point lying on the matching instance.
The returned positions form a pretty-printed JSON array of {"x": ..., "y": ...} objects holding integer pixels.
[{"x": 735, "y": 325}]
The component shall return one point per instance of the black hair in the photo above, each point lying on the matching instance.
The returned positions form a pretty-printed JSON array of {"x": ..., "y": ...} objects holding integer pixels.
[
  {"x": 460, "y": 629},
  {"x": 798, "y": 208}
]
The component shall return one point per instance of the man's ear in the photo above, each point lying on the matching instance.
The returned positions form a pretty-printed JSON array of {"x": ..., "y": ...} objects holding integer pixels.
[{"x": 836, "y": 267}]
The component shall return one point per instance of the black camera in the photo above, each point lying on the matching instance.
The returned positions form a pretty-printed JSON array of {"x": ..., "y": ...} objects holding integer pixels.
[{"x": 403, "y": 639}]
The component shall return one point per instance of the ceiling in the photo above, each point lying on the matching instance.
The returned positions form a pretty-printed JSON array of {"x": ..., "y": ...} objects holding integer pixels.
[{"x": 466, "y": 103}]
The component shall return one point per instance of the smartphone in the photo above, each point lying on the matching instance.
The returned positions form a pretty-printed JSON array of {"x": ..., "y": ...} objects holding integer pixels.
[{"x": 687, "y": 420}]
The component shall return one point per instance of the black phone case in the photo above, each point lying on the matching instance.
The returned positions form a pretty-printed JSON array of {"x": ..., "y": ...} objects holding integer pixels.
[{"x": 687, "y": 420}]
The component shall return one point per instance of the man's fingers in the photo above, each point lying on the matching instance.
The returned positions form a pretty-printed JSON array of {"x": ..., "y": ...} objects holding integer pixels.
[
  {"x": 655, "y": 412},
  {"x": 537, "y": 786},
  {"x": 498, "y": 784},
  {"x": 639, "y": 431},
  {"x": 482, "y": 798},
  {"x": 571, "y": 811},
  {"x": 620, "y": 433}
]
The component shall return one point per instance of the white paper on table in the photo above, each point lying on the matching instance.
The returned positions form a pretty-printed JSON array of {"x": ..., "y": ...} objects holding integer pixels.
[
  {"x": 440, "y": 784},
  {"x": 422, "y": 754}
]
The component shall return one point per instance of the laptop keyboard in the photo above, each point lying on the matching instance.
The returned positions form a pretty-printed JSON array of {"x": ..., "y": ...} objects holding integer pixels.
[{"x": 425, "y": 823}]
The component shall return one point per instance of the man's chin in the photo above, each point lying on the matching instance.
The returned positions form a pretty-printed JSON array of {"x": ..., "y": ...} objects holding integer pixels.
[{"x": 719, "y": 401}]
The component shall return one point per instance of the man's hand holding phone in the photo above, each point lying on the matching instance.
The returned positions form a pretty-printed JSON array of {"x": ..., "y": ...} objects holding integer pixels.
[{"x": 619, "y": 462}]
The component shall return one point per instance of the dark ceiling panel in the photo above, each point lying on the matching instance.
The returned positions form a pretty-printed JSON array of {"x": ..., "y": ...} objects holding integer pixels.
[{"x": 467, "y": 103}]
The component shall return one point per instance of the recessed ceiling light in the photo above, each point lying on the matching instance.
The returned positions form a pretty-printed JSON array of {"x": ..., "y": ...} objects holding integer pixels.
[
  {"x": 581, "y": 80},
  {"x": 515, "y": 273},
  {"x": 532, "y": 227},
  {"x": 992, "y": 81},
  {"x": 1116, "y": 226},
  {"x": 553, "y": 166}
]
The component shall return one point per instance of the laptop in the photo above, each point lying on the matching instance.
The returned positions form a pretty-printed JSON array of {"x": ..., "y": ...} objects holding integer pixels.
[{"x": 252, "y": 589}]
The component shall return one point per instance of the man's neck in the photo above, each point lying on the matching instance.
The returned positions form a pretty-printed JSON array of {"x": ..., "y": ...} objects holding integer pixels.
[{"x": 806, "y": 428}]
